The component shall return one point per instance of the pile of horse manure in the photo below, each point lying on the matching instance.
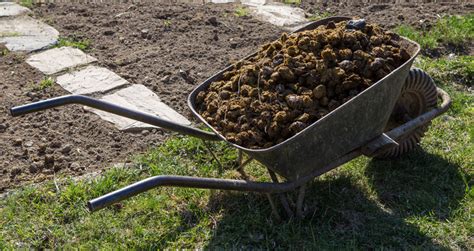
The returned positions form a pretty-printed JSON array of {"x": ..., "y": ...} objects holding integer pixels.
[{"x": 296, "y": 80}]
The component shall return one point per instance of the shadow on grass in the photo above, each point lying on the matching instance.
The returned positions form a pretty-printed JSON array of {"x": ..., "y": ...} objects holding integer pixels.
[
  {"x": 418, "y": 184},
  {"x": 343, "y": 215}
]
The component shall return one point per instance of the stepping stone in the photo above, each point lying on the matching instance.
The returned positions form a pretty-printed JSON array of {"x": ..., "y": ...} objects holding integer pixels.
[
  {"x": 12, "y": 9},
  {"x": 58, "y": 59},
  {"x": 279, "y": 14},
  {"x": 138, "y": 97},
  {"x": 24, "y": 33},
  {"x": 90, "y": 80}
]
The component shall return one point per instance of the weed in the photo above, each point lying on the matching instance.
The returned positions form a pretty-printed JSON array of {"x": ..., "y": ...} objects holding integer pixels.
[
  {"x": 10, "y": 34},
  {"x": 27, "y": 3},
  {"x": 45, "y": 83},
  {"x": 241, "y": 11},
  {"x": 318, "y": 16},
  {"x": 167, "y": 23},
  {"x": 4, "y": 52},
  {"x": 292, "y": 1},
  {"x": 72, "y": 42}
]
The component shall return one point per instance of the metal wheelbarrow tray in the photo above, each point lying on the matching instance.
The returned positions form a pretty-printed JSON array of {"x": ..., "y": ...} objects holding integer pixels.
[{"x": 357, "y": 127}]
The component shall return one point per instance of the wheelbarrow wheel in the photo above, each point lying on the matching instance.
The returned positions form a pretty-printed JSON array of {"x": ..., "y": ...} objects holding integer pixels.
[{"x": 418, "y": 96}]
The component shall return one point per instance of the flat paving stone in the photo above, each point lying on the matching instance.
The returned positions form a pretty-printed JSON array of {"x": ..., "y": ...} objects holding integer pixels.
[
  {"x": 58, "y": 59},
  {"x": 91, "y": 79},
  {"x": 140, "y": 98},
  {"x": 279, "y": 14},
  {"x": 12, "y": 9},
  {"x": 23, "y": 33}
]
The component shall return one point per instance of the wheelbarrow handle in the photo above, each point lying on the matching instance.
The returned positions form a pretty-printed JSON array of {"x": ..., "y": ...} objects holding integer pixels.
[{"x": 112, "y": 108}]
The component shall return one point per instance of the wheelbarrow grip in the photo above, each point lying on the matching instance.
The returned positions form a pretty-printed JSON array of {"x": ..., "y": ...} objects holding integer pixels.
[{"x": 112, "y": 108}]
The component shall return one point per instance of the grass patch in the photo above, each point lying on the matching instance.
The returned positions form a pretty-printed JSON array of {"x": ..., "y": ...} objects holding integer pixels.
[
  {"x": 454, "y": 30},
  {"x": 10, "y": 34},
  {"x": 319, "y": 16},
  {"x": 4, "y": 52},
  {"x": 292, "y": 1},
  {"x": 458, "y": 69},
  {"x": 241, "y": 11},
  {"x": 167, "y": 23},
  {"x": 83, "y": 45},
  {"x": 44, "y": 84},
  {"x": 27, "y": 3}
]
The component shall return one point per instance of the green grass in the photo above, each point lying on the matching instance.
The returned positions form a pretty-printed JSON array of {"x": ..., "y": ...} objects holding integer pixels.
[
  {"x": 459, "y": 69},
  {"x": 27, "y": 3},
  {"x": 4, "y": 52},
  {"x": 453, "y": 30},
  {"x": 73, "y": 42},
  {"x": 318, "y": 16},
  {"x": 241, "y": 11},
  {"x": 44, "y": 84},
  {"x": 292, "y": 1},
  {"x": 167, "y": 23},
  {"x": 10, "y": 34}
]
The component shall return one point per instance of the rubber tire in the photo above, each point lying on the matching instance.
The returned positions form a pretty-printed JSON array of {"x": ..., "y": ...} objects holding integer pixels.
[{"x": 418, "y": 96}]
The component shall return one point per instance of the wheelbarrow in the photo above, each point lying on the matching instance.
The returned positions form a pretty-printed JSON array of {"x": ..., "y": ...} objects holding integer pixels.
[{"x": 384, "y": 121}]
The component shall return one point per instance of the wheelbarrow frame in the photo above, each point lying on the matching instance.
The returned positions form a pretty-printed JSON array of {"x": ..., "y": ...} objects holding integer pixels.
[{"x": 372, "y": 143}]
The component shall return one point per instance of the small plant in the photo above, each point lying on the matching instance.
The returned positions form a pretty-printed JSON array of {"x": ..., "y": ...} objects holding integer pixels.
[
  {"x": 241, "y": 11},
  {"x": 26, "y": 3},
  {"x": 4, "y": 52},
  {"x": 10, "y": 34},
  {"x": 80, "y": 44},
  {"x": 318, "y": 16},
  {"x": 45, "y": 83},
  {"x": 167, "y": 23},
  {"x": 292, "y": 1}
]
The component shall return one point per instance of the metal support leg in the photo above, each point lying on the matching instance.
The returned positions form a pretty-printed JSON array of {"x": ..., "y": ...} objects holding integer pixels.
[
  {"x": 299, "y": 202},
  {"x": 274, "y": 208},
  {"x": 221, "y": 169},
  {"x": 283, "y": 198}
]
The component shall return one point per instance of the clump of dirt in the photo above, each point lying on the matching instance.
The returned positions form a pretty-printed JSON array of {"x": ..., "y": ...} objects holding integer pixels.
[{"x": 298, "y": 79}]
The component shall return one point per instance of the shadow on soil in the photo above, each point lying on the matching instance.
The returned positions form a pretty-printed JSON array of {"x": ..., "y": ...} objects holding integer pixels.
[{"x": 341, "y": 214}]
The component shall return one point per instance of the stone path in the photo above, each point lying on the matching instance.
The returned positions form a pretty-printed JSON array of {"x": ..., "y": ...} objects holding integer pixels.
[{"x": 73, "y": 71}]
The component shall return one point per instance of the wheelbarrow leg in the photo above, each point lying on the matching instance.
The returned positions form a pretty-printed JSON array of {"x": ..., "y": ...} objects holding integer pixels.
[
  {"x": 273, "y": 206},
  {"x": 242, "y": 164},
  {"x": 283, "y": 199},
  {"x": 299, "y": 202},
  {"x": 208, "y": 147}
]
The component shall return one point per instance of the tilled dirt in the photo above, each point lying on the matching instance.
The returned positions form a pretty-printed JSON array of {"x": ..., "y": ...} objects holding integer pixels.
[{"x": 134, "y": 41}]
